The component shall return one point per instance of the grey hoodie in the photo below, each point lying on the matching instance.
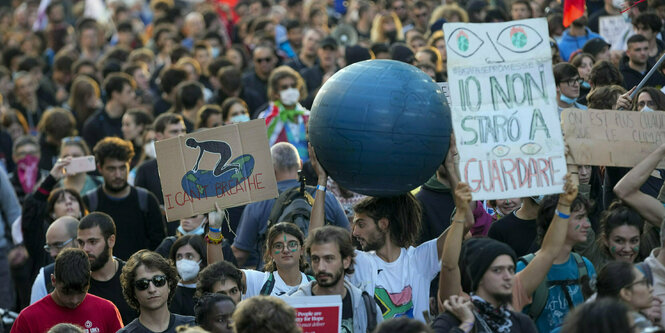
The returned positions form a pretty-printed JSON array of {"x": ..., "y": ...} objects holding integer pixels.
[{"x": 359, "y": 311}]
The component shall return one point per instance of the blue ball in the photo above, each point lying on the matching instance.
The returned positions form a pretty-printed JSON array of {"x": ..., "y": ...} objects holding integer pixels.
[{"x": 380, "y": 127}]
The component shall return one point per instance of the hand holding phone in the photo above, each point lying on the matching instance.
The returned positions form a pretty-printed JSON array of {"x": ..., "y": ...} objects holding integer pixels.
[{"x": 80, "y": 164}]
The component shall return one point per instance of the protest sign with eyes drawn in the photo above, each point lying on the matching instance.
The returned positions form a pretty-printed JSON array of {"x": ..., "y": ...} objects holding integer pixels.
[{"x": 504, "y": 110}]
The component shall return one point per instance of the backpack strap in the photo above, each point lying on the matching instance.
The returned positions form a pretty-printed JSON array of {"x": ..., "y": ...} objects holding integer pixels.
[
  {"x": 143, "y": 200},
  {"x": 370, "y": 308},
  {"x": 539, "y": 297},
  {"x": 48, "y": 270},
  {"x": 581, "y": 266},
  {"x": 93, "y": 199},
  {"x": 267, "y": 287}
]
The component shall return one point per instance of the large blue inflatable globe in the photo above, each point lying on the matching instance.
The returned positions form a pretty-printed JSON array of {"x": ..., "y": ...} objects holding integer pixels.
[{"x": 380, "y": 127}]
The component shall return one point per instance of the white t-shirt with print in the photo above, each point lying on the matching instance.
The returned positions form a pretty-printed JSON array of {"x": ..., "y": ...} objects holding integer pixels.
[
  {"x": 400, "y": 288},
  {"x": 256, "y": 279}
]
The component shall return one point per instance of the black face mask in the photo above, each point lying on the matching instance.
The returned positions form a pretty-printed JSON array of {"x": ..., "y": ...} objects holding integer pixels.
[{"x": 391, "y": 35}]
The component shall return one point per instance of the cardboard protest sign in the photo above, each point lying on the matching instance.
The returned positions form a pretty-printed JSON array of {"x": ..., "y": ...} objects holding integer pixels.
[
  {"x": 504, "y": 108},
  {"x": 230, "y": 165},
  {"x": 318, "y": 314},
  {"x": 612, "y": 138},
  {"x": 615, "y": 30}
]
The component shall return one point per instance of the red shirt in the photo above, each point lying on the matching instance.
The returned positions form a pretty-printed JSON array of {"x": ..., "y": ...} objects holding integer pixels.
[{"x": 94, "y": 315}]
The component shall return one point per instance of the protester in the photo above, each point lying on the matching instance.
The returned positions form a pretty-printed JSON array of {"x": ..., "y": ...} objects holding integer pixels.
[
  {"x": 69, "y": 301},
  {"x": 140, "y": 223},
  {"x": 189, "y": 256},
  {"x": 75, "y": 147},
  {"x": 148, "y": 284},
  {"x": 97, "y": 237},
  {"x": 221, "y": 278},
  {"x": 214, "y": 311},
  {"x": 264, "y": 314}
]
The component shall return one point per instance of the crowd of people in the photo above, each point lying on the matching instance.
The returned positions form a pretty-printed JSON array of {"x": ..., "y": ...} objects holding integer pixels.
[{"x": 91, "y": 251}]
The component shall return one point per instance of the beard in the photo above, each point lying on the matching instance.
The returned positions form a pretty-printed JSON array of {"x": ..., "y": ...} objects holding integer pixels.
[
  {"x": 503, "y": 299},
  {"x": 101, "y": 260},
  {"x": 333, "y": 278},
  {"x": 110, "y": 189},
  {"x": 375, "y": 241}
]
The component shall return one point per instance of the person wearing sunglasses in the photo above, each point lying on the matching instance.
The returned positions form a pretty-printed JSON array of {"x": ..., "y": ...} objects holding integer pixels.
[
  {"x": 148, "y": 284},
  {"x": 70, "y": 302},
  {"x": 568, "y": 82},
  {"x": 623, "y": 281}
]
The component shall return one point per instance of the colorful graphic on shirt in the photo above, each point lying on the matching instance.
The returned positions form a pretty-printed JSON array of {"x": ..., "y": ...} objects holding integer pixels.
[
  {"x": 224, "y": 177},
  {"x": 394, "y": 305}
]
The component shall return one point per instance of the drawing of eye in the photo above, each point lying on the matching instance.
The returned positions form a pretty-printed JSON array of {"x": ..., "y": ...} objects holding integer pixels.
[
  {"x": 519, "y": 38},
  {"x": 530, "y": 148},
  {"x": 501, "y": 150},
  {"x": 464, "y": 42}
]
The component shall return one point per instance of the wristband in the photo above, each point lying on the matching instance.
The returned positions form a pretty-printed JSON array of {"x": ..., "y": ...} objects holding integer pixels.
[
  {"x": 561, "y": 215},
  {"x": 320, "y": 188},
  {"x": 214, "y": 241},
  {"x": 211, "y": 229}
]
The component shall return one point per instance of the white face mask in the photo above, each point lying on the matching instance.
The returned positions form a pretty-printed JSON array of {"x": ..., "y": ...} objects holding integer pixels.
[
  {"x": 647, "y": 109},
  {"x": 289, "y": 96},
  {"x": 214, "y": 52},
  {"x": 187, "y": 269},
  {"x": 149, "y": 149},
  {"x": 618, "y": 4}
]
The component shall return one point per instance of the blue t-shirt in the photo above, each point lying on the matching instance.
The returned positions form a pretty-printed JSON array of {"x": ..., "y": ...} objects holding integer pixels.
[{"x": 557, "y": 307}]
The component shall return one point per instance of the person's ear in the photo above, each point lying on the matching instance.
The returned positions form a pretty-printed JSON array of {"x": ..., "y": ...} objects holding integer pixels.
[
  {"x": 346, "y": 262},
  {"x": 111, "y": 241},
  {"x": 383, "y": 223},
  {"x": 626, "y": 294}
]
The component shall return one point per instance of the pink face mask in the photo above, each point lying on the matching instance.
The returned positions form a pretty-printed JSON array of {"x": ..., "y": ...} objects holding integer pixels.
[{"x": 28, "y": 170}]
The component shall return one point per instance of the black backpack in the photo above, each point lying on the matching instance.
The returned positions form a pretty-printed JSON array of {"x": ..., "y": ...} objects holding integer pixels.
[{"x": 293, "y": 205}]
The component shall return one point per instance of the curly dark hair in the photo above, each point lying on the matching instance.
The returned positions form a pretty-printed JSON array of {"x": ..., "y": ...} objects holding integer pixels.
[
  {"x": 112, "y": 147},
  {"x": 547, "y": 208},
  {"x": 204, "y": 305},
  {"x": 149, "y": 259},
  {"x": 218, "y": 272}
]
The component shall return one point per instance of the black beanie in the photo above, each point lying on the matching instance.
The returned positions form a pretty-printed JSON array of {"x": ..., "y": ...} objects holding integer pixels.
[{"x": 476, "y": 257}]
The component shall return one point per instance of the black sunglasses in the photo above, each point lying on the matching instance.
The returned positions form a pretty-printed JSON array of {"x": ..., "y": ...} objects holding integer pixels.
[{"x": 157, "y": 280}]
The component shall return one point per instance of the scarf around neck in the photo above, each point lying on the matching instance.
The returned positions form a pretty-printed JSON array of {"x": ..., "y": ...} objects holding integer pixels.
[{"x": 498, "y": 319}]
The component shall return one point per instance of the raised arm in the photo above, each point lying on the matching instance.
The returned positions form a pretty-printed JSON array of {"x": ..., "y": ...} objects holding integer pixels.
[
  {"x": 450, "y": 280},
  {"x": 628, "y": 188},
  {"x": 536, "y": 271},
  {"x": 318, "y": 217},
  {"x": 452, "y": 178},
  {"x": 214, "y": 238}
]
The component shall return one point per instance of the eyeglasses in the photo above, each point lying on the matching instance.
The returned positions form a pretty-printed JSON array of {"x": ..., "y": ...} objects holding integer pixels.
[
  {"x": 157, "y": 281},
  {"x": 291, "y": 245},
  {"x": 645, "y": 281},
  {"x": 260, "y": 60},
  {"x": 72, "y": 139},
  {"x": 572, "y": 81},
  {"x": 57, "y": 246}
]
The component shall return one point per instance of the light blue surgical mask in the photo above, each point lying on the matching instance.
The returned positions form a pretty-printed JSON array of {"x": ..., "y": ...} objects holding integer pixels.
[
  {"x": 567, "y": 99},
  {"x": 241, "y": 118},
  {"x": 586, "y": 85},
  {"x": 214, "y": 52},
  {"x": 198, "y": 231},
  {"x": 647, "y": 109},
  {"x": 538, "y": 199},
  {"x": 626, "y": 16}
]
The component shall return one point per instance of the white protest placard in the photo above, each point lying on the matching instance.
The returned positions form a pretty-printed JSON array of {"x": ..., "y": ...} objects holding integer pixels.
[
  {"x": 317, "y": 314},
  {"x": 504, "y": 108},
  {"x": 615, "y": 30}
]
